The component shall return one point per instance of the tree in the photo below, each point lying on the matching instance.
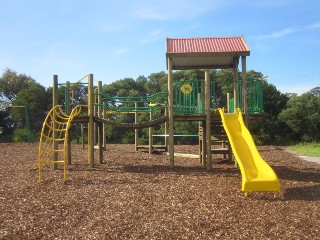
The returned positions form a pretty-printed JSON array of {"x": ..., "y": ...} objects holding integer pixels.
[
  {"x": 157, "y": 82},
  {"x": 6, "y": 123},
  {"x": 303, "y": 117},
  {"x": 11, "y": 83},
  {"x": 316, "y": 91},
  {"x": 37, "y": 99},
  {"x": 269, "y": 130}
]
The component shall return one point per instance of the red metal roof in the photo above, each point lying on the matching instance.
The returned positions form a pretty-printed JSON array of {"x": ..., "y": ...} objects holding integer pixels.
[
  {"x": 205, "y": 53},
  {"x": 206, "y": 45}
]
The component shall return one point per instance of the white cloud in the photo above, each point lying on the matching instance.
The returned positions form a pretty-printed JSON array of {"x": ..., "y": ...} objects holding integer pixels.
[
  {"x": 298, "y": 88},
  {"x": 315, "y": 25},
  {"x": 120, "y": 51},
  {"x": 155, "y": 34},
  {"x": 277, "y": 34}
]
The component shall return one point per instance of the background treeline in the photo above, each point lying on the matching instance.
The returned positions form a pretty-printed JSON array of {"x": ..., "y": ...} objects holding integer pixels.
[{"x": 287, "y": 118}]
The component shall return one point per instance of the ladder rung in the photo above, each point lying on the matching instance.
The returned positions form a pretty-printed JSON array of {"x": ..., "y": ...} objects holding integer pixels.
[{"x": 52, "y": 162}]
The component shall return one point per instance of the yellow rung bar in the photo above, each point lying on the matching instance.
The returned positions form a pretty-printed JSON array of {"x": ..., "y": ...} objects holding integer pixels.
[
  {"x": 56, "y": 121},
  {"x": 52, "y": 162},
  {"x": 54, "y": 129},
  {"x": 52, "y": 150},
  {"x": 53, "y": 139}
]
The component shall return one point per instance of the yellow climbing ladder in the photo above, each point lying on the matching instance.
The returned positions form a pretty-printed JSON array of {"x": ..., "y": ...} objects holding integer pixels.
[{"x": 53, "y": 146}]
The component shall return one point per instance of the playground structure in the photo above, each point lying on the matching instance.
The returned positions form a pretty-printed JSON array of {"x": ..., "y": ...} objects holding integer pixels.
[{"x": 186, "y": 100}]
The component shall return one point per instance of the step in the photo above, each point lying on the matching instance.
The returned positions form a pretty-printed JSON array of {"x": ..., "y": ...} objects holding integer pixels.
[{"x": 220, "y": 151}]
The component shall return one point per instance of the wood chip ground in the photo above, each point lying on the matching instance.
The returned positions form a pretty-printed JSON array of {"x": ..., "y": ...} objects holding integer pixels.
[{"x": 135, "y": 195}]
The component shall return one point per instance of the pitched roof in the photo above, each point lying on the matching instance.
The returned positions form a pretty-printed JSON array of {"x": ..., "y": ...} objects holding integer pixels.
[{"x": 210, "y": 52}]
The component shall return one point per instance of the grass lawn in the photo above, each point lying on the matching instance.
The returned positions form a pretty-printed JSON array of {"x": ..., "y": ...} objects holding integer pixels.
[{"x": 306, "y": 149}]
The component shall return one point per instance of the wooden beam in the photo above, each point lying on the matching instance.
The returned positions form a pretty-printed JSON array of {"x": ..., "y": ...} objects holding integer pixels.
[
  {"x": 188, "y": 67},
  {"x": 91, "y": 139},
  {"x": 100, "y": 125},
  {"x": 55, "y": 133},
  {"x": 206, "y": 54},
  {"x": 235, "y": 82}
]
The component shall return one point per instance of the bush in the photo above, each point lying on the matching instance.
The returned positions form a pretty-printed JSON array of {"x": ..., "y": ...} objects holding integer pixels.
[{"x": 22, "y": 135}]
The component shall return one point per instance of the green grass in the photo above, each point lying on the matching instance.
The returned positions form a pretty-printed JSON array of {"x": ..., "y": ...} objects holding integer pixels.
[{"x": 306, "y": 149}]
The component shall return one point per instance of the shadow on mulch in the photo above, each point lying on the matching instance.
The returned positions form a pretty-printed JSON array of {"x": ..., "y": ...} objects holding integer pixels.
[
  {"x": 307, "y": 193},
  {"x": 306, "y": 175},
  {"x": 273, "y": 149},
  {"x": 179, "y": 170}
]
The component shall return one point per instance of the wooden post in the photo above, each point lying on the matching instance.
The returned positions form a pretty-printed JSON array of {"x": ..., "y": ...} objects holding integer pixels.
[
  {"x": 136, "y": 131},
  {"x": 166, "y": 129},
  {"x": 235, "y": 83},
  {"x": 67, "y": 110},
  {"x": 55, "y": 133},
  {"x": 100, "y": 125},
  {"x": 200, "y": 143},
  {"x": 91, "y": 121},
  {"x": 204, "y": 145},
  {"x": 208, "y": 119},
  {"x": 170, "y": 99},
  {"x": 100, "y": 142},
  {"x": 150, "y": 135},
  {"x": 82, "y": 135},
  {"x": 200, "y": 132},
  {"x": 104, "y": 134},
  {"x": 244, "y": 90}
]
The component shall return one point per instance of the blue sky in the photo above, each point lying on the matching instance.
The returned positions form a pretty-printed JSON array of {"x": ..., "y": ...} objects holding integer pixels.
[{"x": 114, "y": 39}]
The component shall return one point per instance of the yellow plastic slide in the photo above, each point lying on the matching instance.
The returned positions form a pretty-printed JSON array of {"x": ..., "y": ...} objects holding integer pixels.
[{"x": 257, "y": 175}]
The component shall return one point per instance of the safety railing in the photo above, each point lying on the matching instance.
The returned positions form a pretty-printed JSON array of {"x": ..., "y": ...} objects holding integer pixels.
[{"x": 135, "y": 103}]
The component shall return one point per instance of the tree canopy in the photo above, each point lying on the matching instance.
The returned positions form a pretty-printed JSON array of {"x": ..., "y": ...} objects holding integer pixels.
[
  {"x": 11, "y": 83},
  {"x": 302, "y": 115},
  {"x": 285, "y": 117}
]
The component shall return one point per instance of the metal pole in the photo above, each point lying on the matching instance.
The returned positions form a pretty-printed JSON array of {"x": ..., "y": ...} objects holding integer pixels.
[
  {"x": 28, "y": 127},
  {"x": 136, "y": 131},
  {"x": 150, "y": 135}
]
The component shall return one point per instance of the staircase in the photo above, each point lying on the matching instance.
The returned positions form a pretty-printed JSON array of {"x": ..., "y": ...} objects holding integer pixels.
[{"x": 219, "y": 137}]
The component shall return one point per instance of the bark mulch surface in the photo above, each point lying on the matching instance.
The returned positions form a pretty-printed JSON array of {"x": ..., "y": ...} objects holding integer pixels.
[{"x": 136, "y": 196}]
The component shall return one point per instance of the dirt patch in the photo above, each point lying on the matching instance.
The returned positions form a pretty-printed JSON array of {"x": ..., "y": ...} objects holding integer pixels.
[{"x": 135, "y": 195}]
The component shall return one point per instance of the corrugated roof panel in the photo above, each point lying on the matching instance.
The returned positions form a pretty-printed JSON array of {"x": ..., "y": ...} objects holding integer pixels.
[
  {"x": 214, "y": 44},
  {"x": 205, "y": 53}
]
